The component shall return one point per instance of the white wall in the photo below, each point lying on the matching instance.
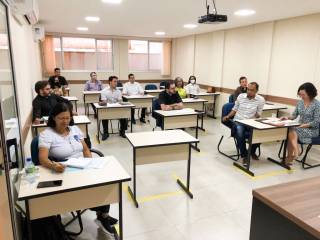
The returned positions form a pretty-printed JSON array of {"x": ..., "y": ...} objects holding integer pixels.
[
  {"x": 26, "y": 56},
  {"x": 279, "y": 55}
]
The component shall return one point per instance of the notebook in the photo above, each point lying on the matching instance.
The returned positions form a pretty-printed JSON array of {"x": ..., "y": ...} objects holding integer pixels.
[{"x": 85, "y": 163}]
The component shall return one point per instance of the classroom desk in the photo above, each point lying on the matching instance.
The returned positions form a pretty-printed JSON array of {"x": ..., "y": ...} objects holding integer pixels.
[
  {"x": 289, "y": 211},
  {"x": 112, "y": 111},
  {"x": 82, "y": 189},
  {"x": 183, "y": 118},
  {"x": 160, "y": 146},
  {"x": 90, "y": 97},
  {"x": 154, "y": 93},
  {"x": 211, "y": 98},
  {"x": 81, "y": 121},
  {"x": 67, "y": 91},
  {"x": 73, "y": 100},
  {"x": 269, "y": 109},
  {"x": 262, "y": 133},
  {"x": 140, "y": 101},
  {"x": 196, "y": 104}
]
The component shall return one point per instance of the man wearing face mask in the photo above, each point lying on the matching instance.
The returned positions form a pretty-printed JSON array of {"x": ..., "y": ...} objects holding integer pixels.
[
  {"x": 192, "y": 88},
  {"x": 241, "y": 89}
]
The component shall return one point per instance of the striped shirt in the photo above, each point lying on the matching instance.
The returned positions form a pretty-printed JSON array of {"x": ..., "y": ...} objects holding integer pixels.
[{"x": 247, "y": 108}]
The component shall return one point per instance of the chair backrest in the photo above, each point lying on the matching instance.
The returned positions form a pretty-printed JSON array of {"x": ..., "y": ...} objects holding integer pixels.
[
  {"x": 226, "y": 109},
  {"x": 231, "y": 98},
  {"x": 151, "y": 87},
  {"x": 34, "y": 147},
  {"x": 163, "y": 83}
]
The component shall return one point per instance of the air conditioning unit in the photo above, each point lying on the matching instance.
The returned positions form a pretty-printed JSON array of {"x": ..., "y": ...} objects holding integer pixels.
[{"x": 25, "y": 10}]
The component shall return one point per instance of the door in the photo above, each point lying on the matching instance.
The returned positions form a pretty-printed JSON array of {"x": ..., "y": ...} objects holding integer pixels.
[{"x": 10, "y": 147}]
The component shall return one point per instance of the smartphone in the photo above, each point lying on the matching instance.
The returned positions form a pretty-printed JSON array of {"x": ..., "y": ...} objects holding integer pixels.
[{"x": 46, "y": 184}]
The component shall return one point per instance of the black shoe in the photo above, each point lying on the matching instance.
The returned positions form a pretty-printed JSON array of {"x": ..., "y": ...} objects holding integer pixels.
[
  {"x": 112, "y": 220},
  {"x": 254, "y": 156},
  {"x": 142, "y": 120},
  {"x": 123, "y": 134},
  {"x": 244, "y": 162},
  {"x": 95, "y": 116},
  {"x": 105, "y": 225},
  {"x": 133, "y": 121},
  {"x": 105, "y": 136}
]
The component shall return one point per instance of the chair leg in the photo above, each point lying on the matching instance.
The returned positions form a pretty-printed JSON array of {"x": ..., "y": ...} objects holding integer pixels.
[
  {"x": 303, "y": 162},
  {"x": 280, "y": 150},
  {"x": 232, "y": 157},
  {"x": 76, "y": 216},
  {"x": 301, "y": 152}
]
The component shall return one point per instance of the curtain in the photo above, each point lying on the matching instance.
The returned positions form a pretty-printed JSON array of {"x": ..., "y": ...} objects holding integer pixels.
[
  {"x": 166, "y": 58},
  {"x": 49, "y": 59}
]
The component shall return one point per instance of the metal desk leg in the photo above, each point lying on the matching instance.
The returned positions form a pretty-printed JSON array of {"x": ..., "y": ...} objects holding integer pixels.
[
  {"x": 195, "y": 146},
  {"x": 214, "y": 106},
  {"x": 98, "y": 127},
  {"x": 76, "y": 105},
  {"x": 246, "y": 168},
  {"x": 187, "y": 188},
  {"x": 120, "y": 212},
  {"x": 133, "y": 193},
  {"x": 29, "y": 229},
  {"x": 202, "y": 116}
]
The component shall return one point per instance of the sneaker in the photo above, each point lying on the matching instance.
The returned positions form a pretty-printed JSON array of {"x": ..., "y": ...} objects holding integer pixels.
[
  {"x": 105, "y": 225},
  {"x": 105, "y": 136},
  {"x": 112, "y": 220},
  {"x": 142, "y": 120}
]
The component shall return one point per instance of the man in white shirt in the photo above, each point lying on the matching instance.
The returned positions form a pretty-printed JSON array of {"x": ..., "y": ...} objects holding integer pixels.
[
  {"x": 112, "y": 95},
  {"x": 248, "y": 105},
  {"x": 134, "y": 88}
]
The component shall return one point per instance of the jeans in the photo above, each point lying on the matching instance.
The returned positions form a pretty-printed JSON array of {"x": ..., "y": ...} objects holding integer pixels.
[
  {"x": 241, "y": 133},
  {"x": 123, "y": 125},
  {"x": 143, "y": 113}
]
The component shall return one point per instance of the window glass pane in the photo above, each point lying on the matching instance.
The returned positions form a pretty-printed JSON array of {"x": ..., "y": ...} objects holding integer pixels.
[
  {"x": 4, "y": 52},
  {"x": 138, "y": 55},
  {"x": 104, "y": 55},
  {"x": 155, "y": 56},
  {"x": 79, "y": 53},
  {"x": 57, "y": 51}
]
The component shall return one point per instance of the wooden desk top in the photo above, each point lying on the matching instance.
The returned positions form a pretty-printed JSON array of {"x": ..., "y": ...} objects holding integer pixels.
[
  {"x": 193, "y": 100},
  {"x": 173, "y": 113},
  {"x": 71, "y": 98},
  {"x": 147, "y": 96},
  {"x": 207, "y": 94},
  {"x": 158, "y": 138},
  {"x": 114, "y": 105},
  {"x": 91, "y": 92},
  {"x": 273, "y": 107},
  {"x": 154, "y": 91},
  {"x": 111, "y": 173},
  {"x": 81, "y": 119},
  {"x": 262, "y": 126},
  {"x": 298, "y": 201}
]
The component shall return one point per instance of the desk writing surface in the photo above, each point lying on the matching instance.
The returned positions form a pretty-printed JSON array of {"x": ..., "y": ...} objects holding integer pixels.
[
  {"x": 156, "y": 138},
  {"x": 207, "y": 94},
  {"x": 147, "y": 96},
  {"x": 81, "y": 119},
  {"x": 273, "y": 107},
  {"x": 71, "y": 98},
  {"x": 261, "y": 126},
  {"x": 193, "y": 100},
  {"x": 114, "y": 105},
  {"x": 112, "y": 172},
  {"x": 154, "y": 91},
  {"x": 298, "y": 201},
  {"x": 182, "y": 112},
  {"x": 91, "y": 92}
]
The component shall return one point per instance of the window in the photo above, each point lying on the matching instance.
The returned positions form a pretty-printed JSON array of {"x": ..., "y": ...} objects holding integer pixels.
[
  {"x": 4, "y": 52},
  {"x": 145, "y": 56},
  {"x": 83, "y": 54}
]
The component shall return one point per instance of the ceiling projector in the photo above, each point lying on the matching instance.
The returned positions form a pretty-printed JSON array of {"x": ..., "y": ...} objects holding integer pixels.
[{"x": 212, "y": 18}]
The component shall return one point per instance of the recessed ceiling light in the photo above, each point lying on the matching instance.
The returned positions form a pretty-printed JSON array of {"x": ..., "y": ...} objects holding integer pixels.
[
  {"x": 160, "y": 33},
  {"x": 92, "y": 19},
  {"x": 245, "y": 12},
  {"x": 112, "y": 1},
  {"x": 82, "y": 29},
  {"x": 190, "y": 26}
]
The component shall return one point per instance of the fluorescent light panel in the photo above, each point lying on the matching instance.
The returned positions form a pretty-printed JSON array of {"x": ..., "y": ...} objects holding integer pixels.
[
  {"x": 112, "y": 1},
  {"x": 160, "y": 33},
  {"x": 190, "y": 26},
  {"x": 82, "y": 29},
  {"x": 245, "y": 12},
  {"x": 92, "y": 19}
]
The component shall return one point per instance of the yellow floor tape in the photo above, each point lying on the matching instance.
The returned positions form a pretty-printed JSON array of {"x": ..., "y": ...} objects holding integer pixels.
[{"x": 266, "y": 175}]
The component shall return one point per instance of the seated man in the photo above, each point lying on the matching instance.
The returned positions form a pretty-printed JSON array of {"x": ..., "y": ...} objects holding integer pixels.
[
  {"x": 58, "y": 82},
  {"x": 134, "y": 88},
  {"x": 93, "y": 85},
  {"x": 112, "y": 95},
  {"x": 45, "y": 101},
  {"x": 241, "y": 89},
  {"x": 169, "y": 99},
  {"x": 248, "y": 105}
]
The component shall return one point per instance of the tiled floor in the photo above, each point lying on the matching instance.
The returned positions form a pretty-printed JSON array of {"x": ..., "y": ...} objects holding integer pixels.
[{"x": 221, "y": 207}]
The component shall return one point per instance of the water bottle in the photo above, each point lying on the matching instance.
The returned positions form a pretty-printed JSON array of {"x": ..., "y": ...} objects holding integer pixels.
[{"x": 30, "y": 170}]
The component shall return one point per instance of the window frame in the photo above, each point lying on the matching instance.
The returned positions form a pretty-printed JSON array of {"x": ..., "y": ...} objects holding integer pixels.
[
  {"x": 95, "y": 42},
  {"x": 148, "y": 70}
]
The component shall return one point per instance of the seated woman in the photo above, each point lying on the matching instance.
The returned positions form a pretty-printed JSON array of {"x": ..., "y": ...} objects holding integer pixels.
[
  {"x": 308, "y": 109},
  {"x": 179, "y": 87},
  {"x": 192, "y": 88},
  {"x": 61, "y": 141}
]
